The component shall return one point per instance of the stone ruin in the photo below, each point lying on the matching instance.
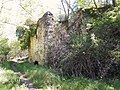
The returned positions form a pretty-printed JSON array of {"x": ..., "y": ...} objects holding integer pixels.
[
  {"x": 49, "y": 44},
  {"x": 39, "y": 43}
]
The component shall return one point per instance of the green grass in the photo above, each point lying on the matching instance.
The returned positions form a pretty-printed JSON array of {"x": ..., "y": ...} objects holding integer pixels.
[
  {"x": 41, "y": 76},
  {"x": 8, "y": 79},
  {"x": 44, "y": 78}
]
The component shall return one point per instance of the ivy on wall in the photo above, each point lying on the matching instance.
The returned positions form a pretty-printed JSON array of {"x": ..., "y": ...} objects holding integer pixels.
[{"x": 25, "y": 32}]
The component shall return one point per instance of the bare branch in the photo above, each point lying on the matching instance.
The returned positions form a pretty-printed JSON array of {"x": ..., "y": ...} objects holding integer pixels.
[
  {"x": 75, "y": 3},
  {"x": 114, "y": 3},
  {"x": 68, "y": 5},
  {"x": 1, "y": 7},
  {"x": 14, "y": 24},
  {"x": 95, "y": 3},
  {"x": 68, "y": 9},
  {"x": 10, "y": 23},
  {"x": 25, "y": 10},
  {"x": 1, "y": 33},
  {"x": 63, "y": 6}
]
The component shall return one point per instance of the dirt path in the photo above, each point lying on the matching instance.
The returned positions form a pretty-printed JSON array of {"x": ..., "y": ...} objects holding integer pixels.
[{"x": 23, "y": 78}]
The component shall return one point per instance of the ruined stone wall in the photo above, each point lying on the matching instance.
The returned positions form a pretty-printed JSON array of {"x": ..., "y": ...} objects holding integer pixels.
[
  {"x": 61, "y": 51},
  {"x": 39, "y": 42},
  {"x": 49, "y": 45}
]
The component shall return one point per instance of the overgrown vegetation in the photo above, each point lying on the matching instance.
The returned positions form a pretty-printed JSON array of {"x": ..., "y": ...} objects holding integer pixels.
[
  {"x": 92, "y": 61},
  {"x": 15, "y": 49},
  {"x": 96, "y": 51},
  {"x": 4, "y": 49},
  {"x": 44, "y": 78},
  {"x": 8, "y": 79},
  {"x": 25, "y": 32}
]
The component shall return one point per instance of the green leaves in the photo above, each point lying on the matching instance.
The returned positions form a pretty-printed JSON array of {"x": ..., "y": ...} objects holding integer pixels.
[
  {"x": 97, "y": 47},
  {"x": 81, "y": 3},
  {"x": 25, "y": 32},
  {"x": 106, "y": 28},
  {"x": 4, "y": 47}
]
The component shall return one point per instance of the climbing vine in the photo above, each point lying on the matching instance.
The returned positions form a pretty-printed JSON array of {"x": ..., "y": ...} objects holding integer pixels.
[{"x": 25, "y": 32}]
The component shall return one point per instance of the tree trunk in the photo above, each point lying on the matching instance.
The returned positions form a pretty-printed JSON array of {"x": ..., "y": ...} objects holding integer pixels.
[
  {"x": 95, "y": 4},
  {"x": 114, "y": 3},
  {"x": 5, "y": 57}
]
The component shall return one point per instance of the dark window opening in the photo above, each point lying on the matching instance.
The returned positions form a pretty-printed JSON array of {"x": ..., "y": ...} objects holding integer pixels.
[{"x": 36, "y": 63}]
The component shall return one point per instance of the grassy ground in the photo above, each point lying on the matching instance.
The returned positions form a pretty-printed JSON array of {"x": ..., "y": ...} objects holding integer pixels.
[
  {"x": 8, "y": 79},
  {"x": 44, "y": 78}
]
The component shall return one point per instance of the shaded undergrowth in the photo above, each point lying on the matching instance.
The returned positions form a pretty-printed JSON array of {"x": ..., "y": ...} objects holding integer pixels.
[{"x": 43, "y": 77}]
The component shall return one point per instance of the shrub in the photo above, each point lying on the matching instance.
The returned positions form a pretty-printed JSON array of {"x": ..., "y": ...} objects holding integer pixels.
[
  {"x": 96, "y": 52},
  {"x": 4, "y": 47}
]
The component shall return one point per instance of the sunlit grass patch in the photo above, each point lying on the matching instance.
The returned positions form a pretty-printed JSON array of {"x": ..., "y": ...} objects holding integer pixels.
[
  {"x": 2, "y": 71},
  {"x": 43, "y": 77},
  {"x": 8, "y": 78}
]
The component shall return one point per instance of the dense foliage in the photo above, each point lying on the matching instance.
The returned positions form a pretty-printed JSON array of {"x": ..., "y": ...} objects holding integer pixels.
[
  {"x": 4, "y": 47},
  {"x": 15, "y": 49},
  {"x": 96, "y": 52},
  {"x": 24, "y": 32},
  {"x": 90, "y": 59}
]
